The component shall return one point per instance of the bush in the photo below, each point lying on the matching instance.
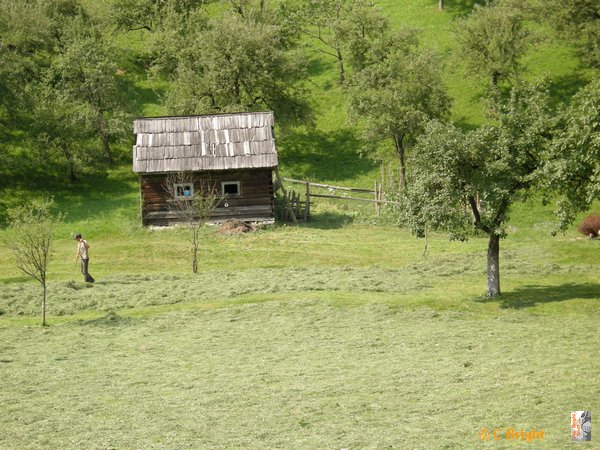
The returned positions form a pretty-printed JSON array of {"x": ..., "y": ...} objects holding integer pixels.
[{"x": 590, "y": 226}]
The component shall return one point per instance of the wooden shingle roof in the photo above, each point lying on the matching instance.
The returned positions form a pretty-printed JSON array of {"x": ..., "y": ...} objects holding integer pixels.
[{"x": 195, "y": 143}]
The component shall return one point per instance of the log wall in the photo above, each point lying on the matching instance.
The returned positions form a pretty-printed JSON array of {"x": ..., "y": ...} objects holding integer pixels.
[{"x": 254, "y": 203}]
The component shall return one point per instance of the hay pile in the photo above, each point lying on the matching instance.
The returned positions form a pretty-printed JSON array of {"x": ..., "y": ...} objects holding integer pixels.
[
  {"x": 234, "y": 226},
  {"x": 590, "y": 226}
]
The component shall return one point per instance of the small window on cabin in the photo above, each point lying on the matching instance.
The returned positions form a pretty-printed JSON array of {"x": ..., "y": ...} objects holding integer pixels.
[
  {"x": 230, "y": 187},
  {"x": 183, "y": 190}
]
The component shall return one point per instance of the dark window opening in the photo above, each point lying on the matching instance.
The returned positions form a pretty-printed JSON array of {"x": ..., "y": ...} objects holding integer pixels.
[{"x": 231, "y": 187}]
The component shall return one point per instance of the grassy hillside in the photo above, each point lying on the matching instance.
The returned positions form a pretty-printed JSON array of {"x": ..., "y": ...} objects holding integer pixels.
[{"x": 328, "y": 150}]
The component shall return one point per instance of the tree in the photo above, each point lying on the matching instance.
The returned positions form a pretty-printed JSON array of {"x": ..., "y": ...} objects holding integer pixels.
[
  {"x": 340, "y": 27},
  {"x": 572, "y": 170},
  {"x": 577, "y": 19},
  {"x": 191, "y": 200},
  {"x": 32, "y": 228},
  {"x": 238, "y": 64},
  {"x": 85, "y": 70},
  {"x": 57, "y": 129},
  {"x": 148, "y": 14},
  {"x": 466, "y": 182},
  {"x": 492, "y": 39},
  {"x": 397, "y": 92},
  {"x": 25, "y": 44},
  {"x": 245, "y": 7}
]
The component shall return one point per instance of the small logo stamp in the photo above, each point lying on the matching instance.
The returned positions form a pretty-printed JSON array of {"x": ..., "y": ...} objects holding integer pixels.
[{"x": 581, "y": 426}]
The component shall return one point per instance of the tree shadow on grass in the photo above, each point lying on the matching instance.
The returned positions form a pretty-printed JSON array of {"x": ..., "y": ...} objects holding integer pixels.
[
  {"x": 329, "y": 221},
  {"x": 460, "y": 8},
  {"x": 564, "y": 87},
  {"x": 529, "y": 296},
  {"x": 111, "y": 319},
  {"x": 318, "y": 156},
  {"x": 321, "y": 221}
]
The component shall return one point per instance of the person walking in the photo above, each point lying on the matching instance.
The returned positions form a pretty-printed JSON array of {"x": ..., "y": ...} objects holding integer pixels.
[{"x": 82, "y": 251}]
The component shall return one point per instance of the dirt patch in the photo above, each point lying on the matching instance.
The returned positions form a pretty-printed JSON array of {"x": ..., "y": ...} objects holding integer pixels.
[{"x": 233, "y": 226}]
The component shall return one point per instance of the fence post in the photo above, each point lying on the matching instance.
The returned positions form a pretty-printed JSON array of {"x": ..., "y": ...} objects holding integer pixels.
[
  {"x": 307, "y": 203},
  {"x": 377, "y": 204},
  {"x": 286, "y": 199}
]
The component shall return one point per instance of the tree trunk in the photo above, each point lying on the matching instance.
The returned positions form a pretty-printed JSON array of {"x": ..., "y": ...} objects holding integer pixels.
[
  {"x": 44, "y": 304},
  {"x": 495, "y": 76},
  {"x": 104, "y": 136},
  {"x": 441, "y": 5},
  {"x": 401, "y": 159},
  {"x": 341, "y": 65},
  {"x": 493, "y": 266},
  {"x": 195, "y": 245},
  {"x": 70, "y": 161}
]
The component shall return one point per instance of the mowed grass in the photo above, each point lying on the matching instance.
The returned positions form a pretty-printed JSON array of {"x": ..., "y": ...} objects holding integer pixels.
[
  {"x": 335, "y": 334},
  {"x": 304, "y": 371}
]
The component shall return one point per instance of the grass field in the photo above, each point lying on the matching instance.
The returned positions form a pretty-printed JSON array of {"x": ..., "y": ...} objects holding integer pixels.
[
  {"x": 304, "y": 370},
  {"x": 339, "y": 334}
]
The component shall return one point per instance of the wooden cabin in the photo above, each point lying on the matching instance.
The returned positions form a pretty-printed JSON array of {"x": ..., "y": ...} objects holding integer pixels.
[{"x": 236, "y": 152}]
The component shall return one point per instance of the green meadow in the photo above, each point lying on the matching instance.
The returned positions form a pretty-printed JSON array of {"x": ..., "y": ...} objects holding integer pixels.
[{"x": 337, "y": 333}]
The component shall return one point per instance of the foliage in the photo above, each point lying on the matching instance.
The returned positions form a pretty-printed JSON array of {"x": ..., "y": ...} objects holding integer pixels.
[
  {"x": 573, "y": 168},
  {"x": 57, "y": 77},
  {"x": 577, "y": 19},
  {"x": 483, "y": 171},
  {"x": 32, "y": 230},
  {"x": 492, "y": 39},
  {"x": 170, "y": 42},
  {"x": 86, "y": 71},
  {"x": 340, "y": 28},
  {"x": 399, "y": 89},
  {"x": 238, "y": 64},
  {"x": 57, "y": 131},
  {"x": 133, "y": 15},
  {"x": 25, "y": 42}
]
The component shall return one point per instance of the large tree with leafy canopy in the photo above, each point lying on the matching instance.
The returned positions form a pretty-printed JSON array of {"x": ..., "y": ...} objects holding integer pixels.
[
  {"x": 466, "y": 182},
  {"x": 85, "y": 70},
  {"x": 148, "y": 15},
  {"x": 399, "y": 89},
  {"x": 492, "y": 39},
  {"x": 572, "y": 170},
  {"x": 578, "y": 20},
  {"x": 341, "y": 29},
  {"x": 238, "y": 64},
  {"x": 25, "y": 47}
]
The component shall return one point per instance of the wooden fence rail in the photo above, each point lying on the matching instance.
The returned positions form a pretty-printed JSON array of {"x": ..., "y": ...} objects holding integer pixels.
[
  {"x": 294, "y": 198},
  {"x": 341, "y": 197},
  {"x": 327, "y": 186}
]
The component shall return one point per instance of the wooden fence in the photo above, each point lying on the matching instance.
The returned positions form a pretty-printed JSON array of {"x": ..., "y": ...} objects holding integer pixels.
[{"x": 302, "y": 207}]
